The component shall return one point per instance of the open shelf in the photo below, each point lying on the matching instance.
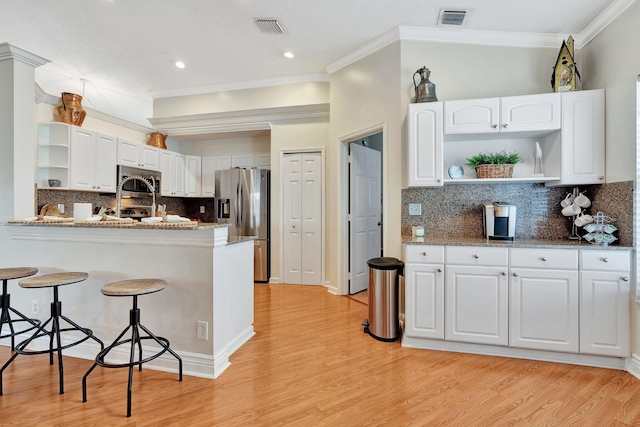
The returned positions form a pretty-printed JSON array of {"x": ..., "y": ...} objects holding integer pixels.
[{"x": 515, "y": 180}]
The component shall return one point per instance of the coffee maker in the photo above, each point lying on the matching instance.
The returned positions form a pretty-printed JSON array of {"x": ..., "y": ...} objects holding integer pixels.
[{"x": 499, "y": 221}]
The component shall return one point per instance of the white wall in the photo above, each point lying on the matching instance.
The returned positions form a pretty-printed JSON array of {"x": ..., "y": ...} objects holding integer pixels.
[
  {"x": 247, "y": 99},
  {"x": 227, "y": 146},
  {"x": 612, "y": 61}
]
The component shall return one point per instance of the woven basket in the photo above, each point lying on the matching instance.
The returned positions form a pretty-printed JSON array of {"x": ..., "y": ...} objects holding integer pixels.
[{"x": 494, "y": 171}]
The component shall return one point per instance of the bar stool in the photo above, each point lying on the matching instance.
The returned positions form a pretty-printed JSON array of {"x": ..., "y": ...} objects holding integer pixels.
[
  {"x": 5, "y": 303},
  {"x": 53, "y": 280},
  {"x": 132, "y": 288}
]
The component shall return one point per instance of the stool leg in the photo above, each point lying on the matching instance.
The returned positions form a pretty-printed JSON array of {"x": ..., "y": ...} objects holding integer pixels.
[
  {"x": 75, "y": 325},
  {"x": 156, "y": 339},
  {"x": 4, "y": 367},
  {"x": 135, "y": 337},
  {"x": 100, "y": 356}
]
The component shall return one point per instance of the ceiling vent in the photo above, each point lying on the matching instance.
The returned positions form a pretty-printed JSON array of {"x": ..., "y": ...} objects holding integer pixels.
[
  {"x": 269, "y": 26},
  {"x": 451, "y": 17}
]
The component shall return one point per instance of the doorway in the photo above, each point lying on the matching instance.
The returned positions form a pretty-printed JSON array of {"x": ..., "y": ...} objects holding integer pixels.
[{"x": 365, "y": 196}]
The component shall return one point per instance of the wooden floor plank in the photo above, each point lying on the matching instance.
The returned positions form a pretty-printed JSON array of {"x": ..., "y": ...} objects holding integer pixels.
[{"x": 310, "y": 364}]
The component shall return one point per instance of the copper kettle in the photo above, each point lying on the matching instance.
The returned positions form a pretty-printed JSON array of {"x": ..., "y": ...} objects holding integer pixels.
[{"x": 156, "y": 139}]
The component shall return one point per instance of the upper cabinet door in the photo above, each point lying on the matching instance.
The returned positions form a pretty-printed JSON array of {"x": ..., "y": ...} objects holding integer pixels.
[
  {"x": 106, "y": 181},
  {"x": 472, "y": 116},
  {"x": 424, "y": 156},
  {"x": 583, "y": 137},
  {"x": 530, "y": 112}
]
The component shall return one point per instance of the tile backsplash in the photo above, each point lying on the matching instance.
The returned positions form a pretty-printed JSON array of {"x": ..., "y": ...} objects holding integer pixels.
[{"x": 454, "y": 210}]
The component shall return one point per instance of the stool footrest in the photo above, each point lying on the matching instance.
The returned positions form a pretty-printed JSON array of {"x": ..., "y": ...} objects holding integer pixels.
[{"x": 160, "y": 340}]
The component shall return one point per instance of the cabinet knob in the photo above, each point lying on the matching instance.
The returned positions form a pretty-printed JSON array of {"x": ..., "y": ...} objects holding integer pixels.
[
  {"x": 506, "y": 125},
  {"x": 293, "y": 226},
  {"x": 601, "y": 177},
  {"x": 625, "y": 279},
  {"x": 494, "y": 126},
  {"x": 515, "y": 274},
  {"x": 504, "y": 273},
  {"x": 439, "y": 180},
  {"x": 544, "y": 258},
  {"x": 439, "y": 270},
  {"x": 476, "y": 256},
  {"x": 423, "y": 253},
  {"x": 605, "y": 259}
]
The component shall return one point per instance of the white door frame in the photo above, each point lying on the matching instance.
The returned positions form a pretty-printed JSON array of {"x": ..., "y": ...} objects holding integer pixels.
[
  {"x": 343, "y": 267},
  {"x": 284, "y": 151}
]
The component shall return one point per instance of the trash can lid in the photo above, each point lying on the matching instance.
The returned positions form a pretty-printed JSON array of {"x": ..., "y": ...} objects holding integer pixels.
[{"x": 385, "y": 263}]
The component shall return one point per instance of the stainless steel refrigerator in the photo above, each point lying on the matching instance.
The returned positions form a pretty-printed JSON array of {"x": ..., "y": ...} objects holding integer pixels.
[{"x": 243, "y": 200}]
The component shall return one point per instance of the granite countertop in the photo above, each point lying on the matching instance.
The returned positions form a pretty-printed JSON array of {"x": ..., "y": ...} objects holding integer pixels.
[
  {"x": 119, "y": 224},
  {"x": 517, "y": 243}
]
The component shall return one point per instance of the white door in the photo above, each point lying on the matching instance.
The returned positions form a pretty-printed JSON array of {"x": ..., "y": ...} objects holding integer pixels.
[
  {"x": 302, "y": 221},
  {"x": 365, "y": 207}
]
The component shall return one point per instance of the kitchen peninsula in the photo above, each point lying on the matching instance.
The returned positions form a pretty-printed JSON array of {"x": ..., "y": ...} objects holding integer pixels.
[{"x": 210, "y": 279}]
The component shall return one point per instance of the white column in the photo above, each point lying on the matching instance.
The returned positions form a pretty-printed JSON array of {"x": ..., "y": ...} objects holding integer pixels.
[{"x": 17, "y": 132}]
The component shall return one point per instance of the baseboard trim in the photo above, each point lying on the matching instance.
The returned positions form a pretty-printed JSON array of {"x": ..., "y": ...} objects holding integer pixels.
[
  {"x": 193, "y": 364},
  {"x": 518, "y": 353},
  {"x": 331, "y": 289},
  {"x": 633, "y": 365}
]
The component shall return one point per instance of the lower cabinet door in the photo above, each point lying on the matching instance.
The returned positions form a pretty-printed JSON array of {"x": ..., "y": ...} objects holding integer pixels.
[
  {"x": 544, "y": 309},
  {"x": 424, "y": 301},
  {"x": 477, "y": 304},
  {"x": 604, "y": 313}
]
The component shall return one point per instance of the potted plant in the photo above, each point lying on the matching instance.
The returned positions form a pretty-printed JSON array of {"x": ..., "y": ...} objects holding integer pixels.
[{"x": 494, "y": 165}]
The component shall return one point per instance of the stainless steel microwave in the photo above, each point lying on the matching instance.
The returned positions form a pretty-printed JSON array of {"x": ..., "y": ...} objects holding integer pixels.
[{"x": 135, "y": 187}]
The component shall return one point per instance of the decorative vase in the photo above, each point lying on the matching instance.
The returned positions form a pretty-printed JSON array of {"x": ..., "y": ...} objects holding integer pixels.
[{"x": 70, "y": 111}]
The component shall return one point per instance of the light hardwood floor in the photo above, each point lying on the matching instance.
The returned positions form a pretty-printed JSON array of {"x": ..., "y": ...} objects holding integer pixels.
[{"x": 310, "y": 364}]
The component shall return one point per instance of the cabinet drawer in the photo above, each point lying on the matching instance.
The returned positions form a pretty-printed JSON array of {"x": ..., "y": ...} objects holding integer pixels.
[
  {"x": 566, "y": 259},
  {"x": 605, "y": 260},
  {"x": 424, "y": 253},
  {"x": 474, "y": 255}
]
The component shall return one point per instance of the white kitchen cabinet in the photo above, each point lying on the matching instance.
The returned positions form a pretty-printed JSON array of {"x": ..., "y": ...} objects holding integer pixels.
[
  {"x": 581, "y": 159},
  {"x": 604, "y": 303},
  {"x": 544, "y": 299},
  {"x": 262, "y": 161},
  {"x": 477, "y": 295},
  {"x": 138, "y": 155},
  {"x": 242, "y": 161},
  {"x": 507, "y": 114},
  {"x": 424, "y": 291},
  {"x": 92, "y": 164},
  {"x": 210, "y": 165},
  {"x": 425, "y": 138},
  {"x": 193, "y": 176},
  {"x": 173, "y": 174}
]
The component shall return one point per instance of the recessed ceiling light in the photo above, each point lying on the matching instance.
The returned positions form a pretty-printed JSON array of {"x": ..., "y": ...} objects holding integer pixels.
[
  {"x": 288, "y": 54},
  {"x": 179, "y": 64}
]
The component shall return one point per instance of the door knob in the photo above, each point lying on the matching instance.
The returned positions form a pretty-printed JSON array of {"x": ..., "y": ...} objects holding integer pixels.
[{"x": 379, "y": 223}]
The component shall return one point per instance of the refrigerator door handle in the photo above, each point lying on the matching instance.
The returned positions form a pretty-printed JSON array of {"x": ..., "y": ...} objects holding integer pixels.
[
  {"x": 237, "y": 206},
  {"x": 241, "y": 200}
]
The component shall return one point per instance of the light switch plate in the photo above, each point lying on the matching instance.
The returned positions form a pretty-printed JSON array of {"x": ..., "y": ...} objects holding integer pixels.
[{"x": 415, "y": 209}]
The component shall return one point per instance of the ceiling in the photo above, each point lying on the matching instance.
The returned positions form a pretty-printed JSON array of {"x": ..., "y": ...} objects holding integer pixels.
[{"x": 128, "y": 48}]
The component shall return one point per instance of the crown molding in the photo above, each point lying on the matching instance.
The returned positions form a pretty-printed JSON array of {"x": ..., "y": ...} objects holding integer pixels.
[
  {"x": 242, "y": 120},
  {"x": 366, "y": 50},
  {"x": 478, "y": 37},
  {"x": 252, "y": 84},
  {"x": 44, "y": 98},
  {"x": 8, "y": 51},
  {"x": 607, "y": 16}
]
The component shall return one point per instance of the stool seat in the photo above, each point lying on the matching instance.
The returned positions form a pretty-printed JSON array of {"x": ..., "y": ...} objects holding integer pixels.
[
  {"x": 132, "y": 287},
  {"x": 17, "y": 272},
  {"x": 53, "y": 279}
]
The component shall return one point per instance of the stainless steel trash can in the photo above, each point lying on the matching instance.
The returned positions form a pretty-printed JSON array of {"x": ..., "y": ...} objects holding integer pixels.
[{"x": 383, "y": 323}]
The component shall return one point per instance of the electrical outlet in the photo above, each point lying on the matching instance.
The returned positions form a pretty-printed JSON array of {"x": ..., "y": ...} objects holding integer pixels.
[
  {"x": 201, "y": 209},
  {"x": 61, "y": 207},
  {"x": 415, "y": 209},
  {"x": 35, "y": 306},
  {"x": 202, "y": 330}
]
